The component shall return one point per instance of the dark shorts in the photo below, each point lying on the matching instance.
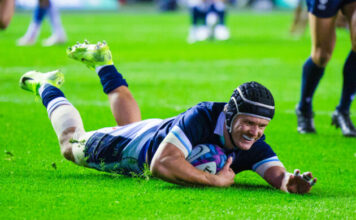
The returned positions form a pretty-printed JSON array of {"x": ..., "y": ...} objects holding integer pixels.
[
  {"x": 326, "y": 8},
  {"x": 115, "y": 154}
]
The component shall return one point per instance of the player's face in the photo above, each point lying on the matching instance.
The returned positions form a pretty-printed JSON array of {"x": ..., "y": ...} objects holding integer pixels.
[{"x": 247, "y": 130}]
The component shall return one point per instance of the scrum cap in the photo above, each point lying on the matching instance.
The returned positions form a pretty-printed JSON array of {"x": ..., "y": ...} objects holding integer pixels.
[{"x": 252, "y": 99}]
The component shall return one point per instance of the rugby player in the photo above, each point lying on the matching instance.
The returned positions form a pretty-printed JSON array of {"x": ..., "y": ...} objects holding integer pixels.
[
  {"x": 322, "y": 19},
  {"x": 7, "y": 9},
  {"x": 58, "y": 34},
  {"x": 164, "y": 145},
  {"x": 208, "y": 20}
]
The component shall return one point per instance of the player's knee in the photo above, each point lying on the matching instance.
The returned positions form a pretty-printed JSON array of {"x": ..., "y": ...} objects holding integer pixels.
[
  {"x": 66, "y": 146},
  {"x": 321, "y": 57},
  {"x": 67, "y": 152}
]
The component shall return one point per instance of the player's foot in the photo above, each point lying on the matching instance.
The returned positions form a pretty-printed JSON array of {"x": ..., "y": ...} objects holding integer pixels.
[
  {"x": 92, "y": 55},
  {"x": 196, "y": 34},
  {"x": 26, "y": 40},
  {"x": 221, "y": 32},
  {"x": 32, "y": 80},
  {"x": 54, "y": 39},
  {"x": 342, "y": 120},
  {"x": 305, "y": 121}
]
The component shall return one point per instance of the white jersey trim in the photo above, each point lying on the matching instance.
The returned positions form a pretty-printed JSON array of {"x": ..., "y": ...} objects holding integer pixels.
[
  {"x": 263, "y": 165},
  {"x": 177, "y": 137}
]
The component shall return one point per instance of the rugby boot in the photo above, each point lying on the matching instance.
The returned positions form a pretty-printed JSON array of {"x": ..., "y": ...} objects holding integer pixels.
[
  {"x": 305, "y": 121},
  {"x": 92, "y": 55},
  {"x": 32, "y": 80},
  {"x": 342, "y": 120}
]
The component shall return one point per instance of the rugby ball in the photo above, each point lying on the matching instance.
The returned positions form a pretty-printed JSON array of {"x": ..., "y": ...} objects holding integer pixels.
[{"x": 207, "y": 157}]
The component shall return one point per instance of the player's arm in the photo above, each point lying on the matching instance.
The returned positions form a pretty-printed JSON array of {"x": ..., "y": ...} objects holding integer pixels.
[
  {"x": 169, "y": 164},
  {"x": 7, "y": 8},
  {"x": 279, "y": 178}
]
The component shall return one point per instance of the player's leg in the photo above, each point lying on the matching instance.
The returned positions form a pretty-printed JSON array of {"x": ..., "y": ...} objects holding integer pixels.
[
  {"x": 198, "y": 30},
  {"x": 34, "y": 28},
  {"x": 58, "y": 34},
  {"x": 98, "y": 56},
  {"x": 341, "y": 117},
  {"x": 323, "y": 42},
  {"x": 300, "y": 18},
  {"x": 221, "y": 32},
  {"x": 7, "y": 9},
  {"x": 65, "y": 119}
]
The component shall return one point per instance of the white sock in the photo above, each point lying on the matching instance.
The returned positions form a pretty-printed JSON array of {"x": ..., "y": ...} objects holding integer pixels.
[
  {"x": 55, "y": 20},
  {"x": 66, "y": 116}
]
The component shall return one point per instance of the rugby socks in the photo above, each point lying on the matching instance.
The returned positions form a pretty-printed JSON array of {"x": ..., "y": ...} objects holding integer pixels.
[
  {"x": 198, "y": 16},
  {"x": 52, "y": 98},
  {"x": 110, "y": 78},
  {"x": 310, "y": 80},
  {"x": 219, "y": 9},
  {"x": 349, "y": 85},
  {"x": 55, "y": 20},
  {"x": 61, "y": 112},
  {"x": 35, "y": 25},
  {"x": 39, "y": 14}
]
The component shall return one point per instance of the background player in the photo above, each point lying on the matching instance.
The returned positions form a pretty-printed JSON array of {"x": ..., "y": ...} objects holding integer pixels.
[
  {"x": 7, "y": 9},
  {"x": 207, "y": 20},
  {"x": 58, "y": 34},
  {"x": 322, "y": 18},
  {"x": 164, "y": 145},
  {"x": 300, "y": 20}
]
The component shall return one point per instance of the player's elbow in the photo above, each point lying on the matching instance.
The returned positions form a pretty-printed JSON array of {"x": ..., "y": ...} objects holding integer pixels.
[{"x": 157, "y": 168}]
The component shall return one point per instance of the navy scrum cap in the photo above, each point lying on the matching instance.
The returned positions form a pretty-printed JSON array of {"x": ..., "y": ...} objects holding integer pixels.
[{"x": 252, "y": 99}]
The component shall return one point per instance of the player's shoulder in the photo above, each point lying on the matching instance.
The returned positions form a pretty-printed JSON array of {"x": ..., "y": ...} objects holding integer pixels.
[{"x": 210, "y": 106}]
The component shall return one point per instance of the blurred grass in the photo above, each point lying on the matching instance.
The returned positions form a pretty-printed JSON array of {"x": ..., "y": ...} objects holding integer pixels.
[{"x": 166, "y": 76}]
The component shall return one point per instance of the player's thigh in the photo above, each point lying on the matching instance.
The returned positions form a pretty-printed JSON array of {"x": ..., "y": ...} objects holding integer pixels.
[
  {"x": 349, "y": 10},
  {"x": 323, "y": 38}
]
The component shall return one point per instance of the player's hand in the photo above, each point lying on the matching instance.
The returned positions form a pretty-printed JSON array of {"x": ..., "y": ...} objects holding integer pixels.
[
  {"x": 300, "y": 183},
  {"x": 226, "y": 175}
]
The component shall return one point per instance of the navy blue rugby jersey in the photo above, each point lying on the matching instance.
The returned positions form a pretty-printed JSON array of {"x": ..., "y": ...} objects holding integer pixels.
[{"x": 204, "y": 123}]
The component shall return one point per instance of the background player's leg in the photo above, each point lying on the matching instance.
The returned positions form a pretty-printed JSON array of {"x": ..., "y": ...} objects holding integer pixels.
[
  {"x": 58, "y": 34},
  {"x": 341, "y": 117},
  {"x": 323, "y": 42},
  {"x": 33, "y": 30},
  {"x": 7, "y": 9},
  {"x": 300, "y": 18}
]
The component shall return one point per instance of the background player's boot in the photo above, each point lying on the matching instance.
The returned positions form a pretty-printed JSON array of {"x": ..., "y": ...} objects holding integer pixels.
[
  {"x": 305, "y": 122},
  {"x": 92, "y": 55},
  {"x": 342, "y": 120},
  {"x": 32, "y": 80}
]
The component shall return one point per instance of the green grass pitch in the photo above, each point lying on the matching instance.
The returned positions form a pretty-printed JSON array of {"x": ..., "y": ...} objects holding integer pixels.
[{"x": 166, "y": 76}]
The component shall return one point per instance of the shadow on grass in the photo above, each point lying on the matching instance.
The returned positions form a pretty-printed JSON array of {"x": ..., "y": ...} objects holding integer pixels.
[{"x": 316, "y": 193}]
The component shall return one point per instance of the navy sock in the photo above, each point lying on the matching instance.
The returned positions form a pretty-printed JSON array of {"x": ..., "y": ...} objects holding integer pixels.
[
  {"x": 349, "y": 86},
  {"x": 310, "y": 80},
  {"x": 198, "y": 16},
  {"x": 39, "y": 14},
  {"x": 111, "y": 79},
  {"x": 219, "y": 9},
  {"x": 49, "y": 93}
]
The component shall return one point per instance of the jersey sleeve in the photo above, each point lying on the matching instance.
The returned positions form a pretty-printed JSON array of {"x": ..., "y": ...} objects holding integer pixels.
[{"x": 259, "y": 158}]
